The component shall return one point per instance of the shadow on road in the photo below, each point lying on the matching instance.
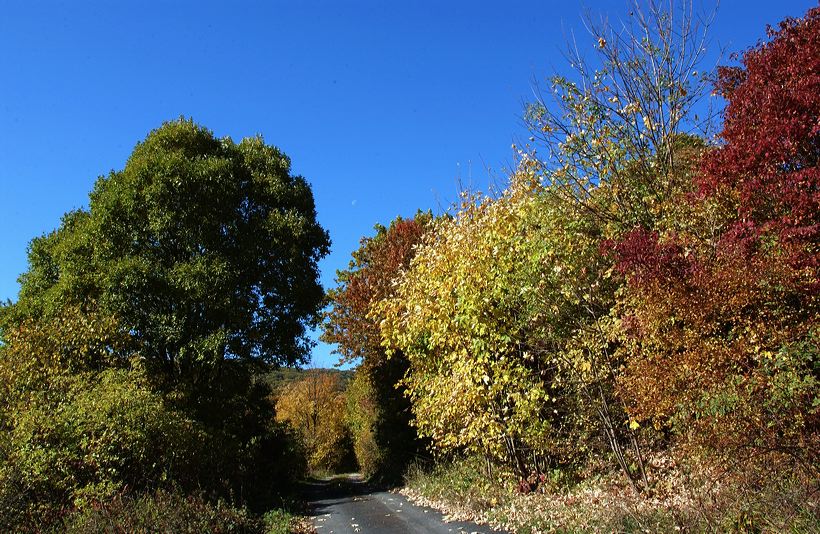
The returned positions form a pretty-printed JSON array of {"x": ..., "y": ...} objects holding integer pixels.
[
  {"x": 323, "y": 493},
  {"x": 348, "y": 504}
]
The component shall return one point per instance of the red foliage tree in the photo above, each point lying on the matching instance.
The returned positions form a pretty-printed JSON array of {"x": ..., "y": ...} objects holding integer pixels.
[
  {"x": 722, "y": 317},
  {"x": 368, "y": 280},
  {"x": 772, "y": 144},
  {"x": 351, "y": 324}
]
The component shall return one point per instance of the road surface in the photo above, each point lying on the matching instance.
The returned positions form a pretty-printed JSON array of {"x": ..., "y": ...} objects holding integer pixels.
[{"x": 347, "y": 505}]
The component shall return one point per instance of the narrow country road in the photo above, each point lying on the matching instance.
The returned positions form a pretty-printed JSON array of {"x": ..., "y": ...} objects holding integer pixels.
[{"x": 349, "y": 505}]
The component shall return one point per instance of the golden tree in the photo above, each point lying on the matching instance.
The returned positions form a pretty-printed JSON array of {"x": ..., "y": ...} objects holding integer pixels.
[{"x": 315, "y": 407}]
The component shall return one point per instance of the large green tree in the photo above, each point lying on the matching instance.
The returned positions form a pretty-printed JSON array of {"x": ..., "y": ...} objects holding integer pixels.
[{"x": 205, "y": 249}]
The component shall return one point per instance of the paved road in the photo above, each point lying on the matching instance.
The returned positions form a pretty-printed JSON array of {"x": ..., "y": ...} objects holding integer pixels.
[{"x": 348, "y": 505}]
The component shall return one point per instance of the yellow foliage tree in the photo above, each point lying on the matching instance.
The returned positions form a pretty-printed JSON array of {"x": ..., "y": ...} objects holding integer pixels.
[
  {"x": 459, "y": 315},
  {"x": 315, "y": 409}
]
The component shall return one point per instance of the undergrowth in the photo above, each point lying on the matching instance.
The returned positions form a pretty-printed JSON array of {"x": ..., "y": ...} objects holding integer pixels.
[
  {"x": 681, "y": 500},
  {"x": 170, "y": 511}
]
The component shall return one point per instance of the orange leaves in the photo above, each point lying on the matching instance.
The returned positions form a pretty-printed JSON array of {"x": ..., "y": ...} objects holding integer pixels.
[{"x": 351, "y": 323}]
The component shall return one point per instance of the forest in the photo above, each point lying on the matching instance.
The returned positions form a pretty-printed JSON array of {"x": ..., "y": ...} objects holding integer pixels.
[{"x": 620, "y": 337}]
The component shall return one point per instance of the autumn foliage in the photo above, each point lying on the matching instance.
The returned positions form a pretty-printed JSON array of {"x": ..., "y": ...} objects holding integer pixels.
[
  {"x": 725, "y": 314},
  {"x": 314, "y": 407},
  {"x": 771, "y": 139},
  {"x": 378, "y": 411},
  {"x": 636, "y": 291}
]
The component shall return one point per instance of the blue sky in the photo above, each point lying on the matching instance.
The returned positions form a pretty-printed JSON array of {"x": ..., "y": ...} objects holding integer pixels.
[{"x": 382, "y": 106}]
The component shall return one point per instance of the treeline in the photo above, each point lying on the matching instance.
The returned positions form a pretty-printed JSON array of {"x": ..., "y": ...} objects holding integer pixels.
[
  {"x": 639, "y": 288},
  {"x": 132, "y": 365}
]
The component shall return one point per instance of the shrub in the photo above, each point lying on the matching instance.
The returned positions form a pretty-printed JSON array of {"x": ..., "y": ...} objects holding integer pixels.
[
  {"x": 106, "y": 432},
  {"x": 165, "y": 511}
]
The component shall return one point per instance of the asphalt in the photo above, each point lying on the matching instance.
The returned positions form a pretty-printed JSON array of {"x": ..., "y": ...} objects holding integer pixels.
[{"x": 349, "y": 505}]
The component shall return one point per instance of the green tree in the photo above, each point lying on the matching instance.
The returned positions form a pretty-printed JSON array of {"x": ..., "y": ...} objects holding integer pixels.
[
  {"x": 205, "y": 249},
  {"x": 129, "y": 359}
]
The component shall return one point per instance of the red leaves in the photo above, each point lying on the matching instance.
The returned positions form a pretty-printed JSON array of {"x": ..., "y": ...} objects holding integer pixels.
[
  {"x": 716, "y": 318},
  {"x": 376, "y": 264},
  {"x": 768, "y": 164},
  {"x": 641, "y": 255},
  {"x": 772, "y": 134}
]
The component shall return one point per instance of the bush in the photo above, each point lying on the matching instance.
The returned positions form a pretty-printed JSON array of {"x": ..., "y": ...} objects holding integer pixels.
[
  {"x": 78, "y": 426},
  {"x": 103, "y": 433},
  {"x": 165, "y": 511}
]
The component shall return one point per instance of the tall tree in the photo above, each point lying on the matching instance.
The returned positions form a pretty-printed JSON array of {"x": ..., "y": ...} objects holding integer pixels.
[
  {"x": 614, "y": 121},
  {"x": 205, "y": 249},
  {"x": 615, "y": 140}
]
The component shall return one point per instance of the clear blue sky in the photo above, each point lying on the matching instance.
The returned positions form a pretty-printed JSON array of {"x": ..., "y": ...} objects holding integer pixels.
[{"x": 381, "y": 105}]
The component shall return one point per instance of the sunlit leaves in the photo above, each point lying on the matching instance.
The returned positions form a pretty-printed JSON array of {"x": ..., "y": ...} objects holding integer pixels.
[
  {"x": 314, "y": 407},
  {"x": 721, "y": 309},
  {"x": 470, "y": 313},
  {"x": 78, "y": 423},
  {"x": 383, "y": 439},
  {"x": 615, "y": 119},
  {"x": 204, "y": 248}
]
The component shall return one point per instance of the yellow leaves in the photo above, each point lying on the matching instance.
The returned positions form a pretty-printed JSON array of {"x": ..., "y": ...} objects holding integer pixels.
[
  {"x": 631, "y": 108},
  {"x": 498, "y": 277},
  {"x": 314, "y": 407}
]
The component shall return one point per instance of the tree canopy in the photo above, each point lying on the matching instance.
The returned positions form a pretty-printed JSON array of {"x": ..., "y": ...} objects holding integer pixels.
[
  {"x": 128, "y": 360},
  {"x": 205, "y": 249}
]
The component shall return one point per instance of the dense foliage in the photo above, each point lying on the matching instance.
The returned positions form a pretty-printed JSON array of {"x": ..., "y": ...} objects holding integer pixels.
[
  {"x": 509, "y": 312},
  {"x": 129, "y": 362},
  {"x": 378, "y": 411},
  {"x": 723, "y": 312},
  {"x": 637, "y": 291},
  {"x": 639, "y": 302},
  {"x": 77, "y": 429},
  {"x": 206, "y": 249},
  {"x": 314, "y": 407},
  {"x": 455, "y": 316}
]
